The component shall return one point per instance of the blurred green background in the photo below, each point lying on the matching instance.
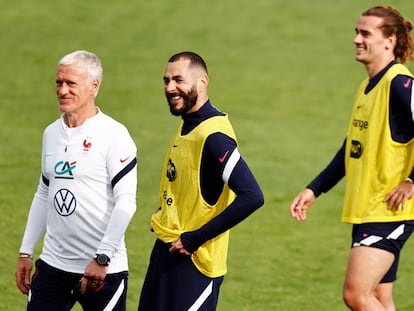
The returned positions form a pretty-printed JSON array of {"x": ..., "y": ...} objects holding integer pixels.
[{"x": 283, "y": 70}]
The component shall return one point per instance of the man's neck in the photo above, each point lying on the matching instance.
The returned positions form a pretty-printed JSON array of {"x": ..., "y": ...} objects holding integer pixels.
[
  {"x": 374, "y": 68},
  {"x": 78, "y": 118}
]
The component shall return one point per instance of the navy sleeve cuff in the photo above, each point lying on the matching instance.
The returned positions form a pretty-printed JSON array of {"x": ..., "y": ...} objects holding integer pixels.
[
  {"x": 412, "y": 174},
  {"x": 191, "y": 241}
]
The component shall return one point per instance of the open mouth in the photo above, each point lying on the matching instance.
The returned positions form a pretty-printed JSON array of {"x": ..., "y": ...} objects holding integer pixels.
[{"x": 174, "y": 98}]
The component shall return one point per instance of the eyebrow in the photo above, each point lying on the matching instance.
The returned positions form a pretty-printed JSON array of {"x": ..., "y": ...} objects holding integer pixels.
[
  {"x": 174, "y": 77},
  {"x": 363, "y": 31}
]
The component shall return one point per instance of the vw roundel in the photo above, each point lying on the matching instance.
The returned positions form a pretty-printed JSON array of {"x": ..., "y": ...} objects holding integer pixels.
[{"x": 64, "y": 202}]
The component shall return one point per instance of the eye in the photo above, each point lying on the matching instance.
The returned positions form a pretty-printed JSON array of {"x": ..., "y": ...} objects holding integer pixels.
[{"x": 365, "y": 33}]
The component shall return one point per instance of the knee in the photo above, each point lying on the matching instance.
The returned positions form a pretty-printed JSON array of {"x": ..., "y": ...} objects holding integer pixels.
[{"x": 354, "y": 300}]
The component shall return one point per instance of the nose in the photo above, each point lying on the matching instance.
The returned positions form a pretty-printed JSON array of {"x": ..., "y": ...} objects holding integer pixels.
[
  {"x": 61, "y": 89},
  {"x": 357, "y": 38},
  {"x": 169, "y": 86}
]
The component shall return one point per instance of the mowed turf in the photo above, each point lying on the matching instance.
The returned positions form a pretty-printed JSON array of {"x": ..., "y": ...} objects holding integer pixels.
[{"x": 283, "y": 70}]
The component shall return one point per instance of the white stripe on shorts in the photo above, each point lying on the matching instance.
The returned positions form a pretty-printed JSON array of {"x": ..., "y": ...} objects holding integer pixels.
[
  {"x": 374, "y": 238},
  {"x": 110, "y": 306},
  {"x": 396, "y": 233},
  {"x": 204, "y": 295},
  {"x": 231, "y": 163},
  {"x": 369, "y": 240}
]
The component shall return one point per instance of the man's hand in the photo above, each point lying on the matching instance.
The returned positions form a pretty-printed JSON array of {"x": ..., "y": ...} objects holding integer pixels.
[
  {"x": 93, "y": 276},
  {"x": 301, "y": 203},
  {"x": 177, "y": 246},
  {"x": 397, "y": 198},
  {"x": 23, "y": 271}
]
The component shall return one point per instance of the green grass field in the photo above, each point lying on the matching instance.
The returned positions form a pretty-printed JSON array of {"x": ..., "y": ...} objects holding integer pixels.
[{"x": 283, "y": 70}]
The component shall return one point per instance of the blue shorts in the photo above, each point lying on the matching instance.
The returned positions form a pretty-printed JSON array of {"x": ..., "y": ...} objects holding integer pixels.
[
  {"x": 173, "y": 283},
  {"x": 54, "y": 289},
  {"x": 389, "y": 236}
]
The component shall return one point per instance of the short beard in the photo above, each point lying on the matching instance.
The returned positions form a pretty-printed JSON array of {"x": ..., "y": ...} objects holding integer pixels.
[{"x": 189, "y": 99}]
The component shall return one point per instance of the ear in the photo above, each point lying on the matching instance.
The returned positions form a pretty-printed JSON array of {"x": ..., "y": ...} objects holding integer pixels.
[
  {"x": 202, "y": 82},
  {"x": 95, "y": 86},
  {"x": 391, "y": 42}
]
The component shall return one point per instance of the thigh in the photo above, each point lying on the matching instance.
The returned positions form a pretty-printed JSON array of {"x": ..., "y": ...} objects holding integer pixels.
[
  {"x": 192, "y": 290},
  {"x": 110, "y": 296},
  {"x": 390, "y": 237},
  {"x": 366, "y": 268},
  {"x": 173, "y": 283},
  {"x": 51, "y": 288}
]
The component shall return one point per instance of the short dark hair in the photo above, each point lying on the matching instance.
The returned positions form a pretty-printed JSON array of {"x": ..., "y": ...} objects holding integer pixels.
[{"x": 195, "y": 59}]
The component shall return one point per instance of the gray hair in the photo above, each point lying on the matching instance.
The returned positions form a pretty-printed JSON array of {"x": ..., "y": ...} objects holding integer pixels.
[{"x": 86, "y": 60}]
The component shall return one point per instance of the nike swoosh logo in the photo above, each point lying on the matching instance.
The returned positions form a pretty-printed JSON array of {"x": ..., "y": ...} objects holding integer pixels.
[
  {"x": 123, "y": 160},
  {"x": 221, "y": 159},
  {"x": 407, "y": 84}
]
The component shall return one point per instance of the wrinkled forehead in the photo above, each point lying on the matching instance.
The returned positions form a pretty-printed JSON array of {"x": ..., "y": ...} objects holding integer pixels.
[{"x": 72, "y": 71}]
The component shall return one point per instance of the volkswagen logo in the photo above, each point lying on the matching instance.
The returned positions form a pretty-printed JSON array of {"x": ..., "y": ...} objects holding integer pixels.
[{"x": 64, "y": 202}]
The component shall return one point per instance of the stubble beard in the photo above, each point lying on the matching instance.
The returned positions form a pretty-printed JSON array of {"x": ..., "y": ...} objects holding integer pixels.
[{"x": 189, "y": 101}]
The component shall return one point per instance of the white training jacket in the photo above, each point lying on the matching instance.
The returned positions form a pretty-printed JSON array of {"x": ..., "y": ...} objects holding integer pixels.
[{"x": 86, "y": 195}]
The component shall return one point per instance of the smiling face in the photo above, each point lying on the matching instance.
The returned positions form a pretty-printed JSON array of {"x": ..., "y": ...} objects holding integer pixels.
[
  {"x": 184, "y": 87},
  {"x": 373, "y": 49},
  {"x": 74, "y": 91}
]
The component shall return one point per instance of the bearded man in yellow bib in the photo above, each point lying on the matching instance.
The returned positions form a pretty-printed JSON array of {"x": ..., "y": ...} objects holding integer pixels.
[
  {"x": 206, "y": 189},
  {"x": 377, "y": 159}
]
